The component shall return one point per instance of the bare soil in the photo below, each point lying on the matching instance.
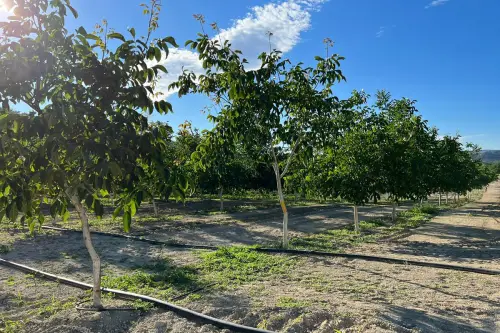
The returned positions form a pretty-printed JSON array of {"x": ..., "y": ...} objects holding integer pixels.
[
  {"x": 319, "y": 295},
  {"x": 256, "y": 226}
]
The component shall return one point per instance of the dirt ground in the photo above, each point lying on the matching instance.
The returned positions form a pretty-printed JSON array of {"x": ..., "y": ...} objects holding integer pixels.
[
  {"x": 260, "y": 226},
  {"x": 318, "y": 295}
]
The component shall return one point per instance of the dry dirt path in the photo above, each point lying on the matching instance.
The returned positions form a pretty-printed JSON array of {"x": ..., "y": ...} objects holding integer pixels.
[{"x": 469, "y": 235}]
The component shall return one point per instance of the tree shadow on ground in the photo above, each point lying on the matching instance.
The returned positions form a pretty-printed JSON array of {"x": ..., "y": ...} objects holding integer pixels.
[
  {"x": 424, "y": 322},
  {"x": 65, "y": 254},
  {"x": 436, "y": 317},
  {"x": 461, "y": 243},
  {"x": 420, "y": 285}
]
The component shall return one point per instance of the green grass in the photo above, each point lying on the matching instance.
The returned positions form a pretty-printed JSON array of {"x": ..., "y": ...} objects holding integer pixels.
[
  {"x": 290, "y": 302},
  {"x": 51, "y": 307},
  {"x": 229, "y": 266},
  {"x": 371, "y": 230},
  {"x": 236, "y": 265},
  {"x": 11, "y": 326},
  {"x": 162, "y": 279}
]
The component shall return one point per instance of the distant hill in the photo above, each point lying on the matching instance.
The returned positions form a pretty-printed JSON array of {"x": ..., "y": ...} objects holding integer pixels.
[{"x": 490, "y": 156}]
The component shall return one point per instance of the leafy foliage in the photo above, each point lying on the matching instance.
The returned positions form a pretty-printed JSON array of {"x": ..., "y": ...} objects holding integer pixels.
[{"x": 85, "y": 130}]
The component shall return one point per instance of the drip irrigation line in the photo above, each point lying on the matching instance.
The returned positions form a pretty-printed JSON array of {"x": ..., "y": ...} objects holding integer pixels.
[
  {"x": 301, "y": 253},
  {"x": 183, "y": 312}
]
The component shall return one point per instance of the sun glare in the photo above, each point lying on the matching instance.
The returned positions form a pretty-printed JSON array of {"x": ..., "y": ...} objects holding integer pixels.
[{"x": 3, "y": 7}]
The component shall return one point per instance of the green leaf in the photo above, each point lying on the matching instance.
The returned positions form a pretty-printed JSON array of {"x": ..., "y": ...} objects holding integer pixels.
[
  {"x": 41, "y": 218},
  {"x": 116, "y": 35},
  {"x": 116, "y": 171},
  {"x": 172, "y": 42},
  {"x": 6, "y": 190},
  {"x": 92, "y": 36},
  {"x": 81, "y": 30},
  {"x": 133, "y": 207},
  {"x": 116, "y": 212},
  {"x": 73, "y": 11},
  {"x": 132, "y": 32},
  {"x": 127, "y": 220},
  {"x": 12, "y": 211},
  {"x": 31, "y": 226},
  {"x": 161, "y": 67},
  {"x": 66, "y": 215},
  {"x": 157, "y": 54},
  {"x": 89, "y": 201},
  {"x": 15, "y": 126},
  {"x": 98, "y": 208},
  {"x": 54, "y": 209}
]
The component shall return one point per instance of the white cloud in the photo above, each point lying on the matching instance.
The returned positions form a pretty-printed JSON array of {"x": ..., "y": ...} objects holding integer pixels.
[
  {"x": 177, "y": 61},
  {"x": 380, "y": 32},
  {"x": 286, "y": 20},
  {"x": 436, "y": 3}
]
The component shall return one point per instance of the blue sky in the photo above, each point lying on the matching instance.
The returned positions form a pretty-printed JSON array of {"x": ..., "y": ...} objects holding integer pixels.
[{"x": 443, "y": 53}]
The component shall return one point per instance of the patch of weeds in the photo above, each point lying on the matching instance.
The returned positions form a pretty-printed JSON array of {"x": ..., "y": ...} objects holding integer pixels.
[
  {"x": 162, "y": 279},
  {"x": 19, "y": 299},
  {"x": 4, "y": 248},
  {"x": 290, "y": 302},
  {"x": 11, "y": 281},
  {"x": 54, "y": 306},
  {"x": 66, "y": 255},
  {"x": 11, "y": 326},
  {"x": 371, "y": 231},
  {"x": 263, "y": 324},
  {"x": 242, "y": 264},
  {"x": 159, "y": 218},
  {"x": 143, "y": 306},
  {"x": 372, "y": 224}
]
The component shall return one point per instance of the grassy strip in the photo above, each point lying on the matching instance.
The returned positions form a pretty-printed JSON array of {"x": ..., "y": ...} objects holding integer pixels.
[
  {"x": 372, "y": 230},
  {"x": 227, "y": 267}
]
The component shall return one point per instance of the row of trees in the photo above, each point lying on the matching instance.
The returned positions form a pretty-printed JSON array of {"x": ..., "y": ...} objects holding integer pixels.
[{"x": 86, "y": 135}]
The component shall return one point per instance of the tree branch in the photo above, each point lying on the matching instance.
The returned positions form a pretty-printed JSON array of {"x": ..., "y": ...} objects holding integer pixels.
[
  {"x": 275, "y": 165},
  {"x": 290, "y": 157},
  {"x": 33, "y": 106}
]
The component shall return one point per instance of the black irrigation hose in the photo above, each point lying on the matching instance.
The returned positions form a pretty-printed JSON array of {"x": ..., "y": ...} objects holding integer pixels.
[
  {"x": 301, "y": 252},
  {"x": 186, "y": 313}
]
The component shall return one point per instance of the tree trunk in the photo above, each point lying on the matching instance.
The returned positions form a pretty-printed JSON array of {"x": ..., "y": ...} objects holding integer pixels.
[
  {"x": 439, "y": 200},
  {"x": 221, "y": 189},
  {"x": 394, "y": 211},
  {"x": 96, "y": 261},
  {"x": 446, "y": 197},
  {"x": 356, "y": 219},
  {"x": 283, "y": 206},
  {"x": 155, "y": 207}
]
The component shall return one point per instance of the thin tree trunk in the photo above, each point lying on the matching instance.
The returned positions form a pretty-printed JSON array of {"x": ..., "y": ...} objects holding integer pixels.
[
  {"x": 155, "y": 207},
  {"x": 356, "y": 219},
  {"x": 221, "y": 189},
  {"x": 282, "y": 202},
  {"x": 439, "y": 200},
  {"x": 96, "y": 261},
  {"x": 285, "y": 213},
  {"x": 446, "y": 197},
  {"x": 394, "y": 211}
]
